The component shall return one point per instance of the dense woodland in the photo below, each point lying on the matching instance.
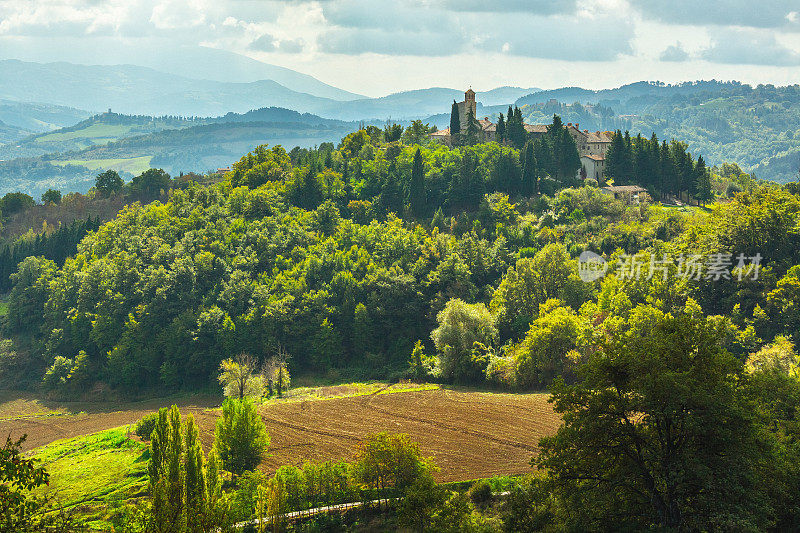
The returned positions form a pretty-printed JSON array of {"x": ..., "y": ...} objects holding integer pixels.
[{"x": 388, "y": 256}]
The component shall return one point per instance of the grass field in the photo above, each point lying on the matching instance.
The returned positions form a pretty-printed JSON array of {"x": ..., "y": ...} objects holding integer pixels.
[
  {"x": 134, "y": 165},
  {"x": 90, "y": 474},
  {"x": 98, "y": 133},
  {"x": 95, "y": 463}
]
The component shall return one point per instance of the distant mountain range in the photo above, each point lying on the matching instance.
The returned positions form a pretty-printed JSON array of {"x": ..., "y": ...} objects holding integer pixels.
[
  {"x": 53, "y": 121},
  {"x": 140, "y": 90}
]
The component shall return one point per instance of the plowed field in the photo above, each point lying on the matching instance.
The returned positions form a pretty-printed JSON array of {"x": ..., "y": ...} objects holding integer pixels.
[{"x": 469, "y": 434}]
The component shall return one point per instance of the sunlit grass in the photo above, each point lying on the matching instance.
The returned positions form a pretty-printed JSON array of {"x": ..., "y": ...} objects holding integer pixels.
[
  {"x": 134, "y": 165},
  {"x": 88, "y": 474}
]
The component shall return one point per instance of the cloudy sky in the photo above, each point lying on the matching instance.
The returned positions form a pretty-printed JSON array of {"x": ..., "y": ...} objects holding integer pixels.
[{"x": 375, "y": 47}]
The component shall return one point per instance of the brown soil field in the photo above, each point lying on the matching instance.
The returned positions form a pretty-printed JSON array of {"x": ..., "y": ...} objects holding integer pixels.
[{"x": 468, "y": 434}]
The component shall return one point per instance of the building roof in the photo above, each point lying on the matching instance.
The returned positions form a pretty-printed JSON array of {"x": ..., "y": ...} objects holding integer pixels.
[
  {"x": 441, "y": 133},
  {"x": 598, "y": 137},
  {"x": 535, "y": 128},
  {"x": 487, "y": 125},
  {"x": 595, "y": 157},
  {"x": 624, "y": 188}
]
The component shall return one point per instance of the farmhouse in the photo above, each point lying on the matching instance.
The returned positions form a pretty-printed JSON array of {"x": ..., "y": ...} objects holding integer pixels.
[
  {"x": 592, "y": 146},
  {"x": 629, "y": 193}
]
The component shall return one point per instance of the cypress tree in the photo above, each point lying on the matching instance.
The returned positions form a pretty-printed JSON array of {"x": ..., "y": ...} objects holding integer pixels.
[
  {"x": 570, "y": 160},
  {"x": 615, "y": 157},
  {"x": 416, "y": 188},
  {"x": 472, "y": 128},
  {"x": 530, "y": 181},
  {"x": 501, "y": 129},
  {"x": 455, "y": 124},
  {"x": 702, "y": 182}
]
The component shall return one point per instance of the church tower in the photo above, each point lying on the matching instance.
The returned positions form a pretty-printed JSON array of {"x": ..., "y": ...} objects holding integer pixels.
[
  {"x": 465, "y": 107},
  {"x": 469, "y": 99}
]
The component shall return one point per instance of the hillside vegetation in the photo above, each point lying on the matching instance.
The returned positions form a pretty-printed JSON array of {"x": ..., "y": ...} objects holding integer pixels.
[
  {"x": 756, "y": 127},
  {"x": 669, "y": 357},
  {"x": 308, "y": 252}
]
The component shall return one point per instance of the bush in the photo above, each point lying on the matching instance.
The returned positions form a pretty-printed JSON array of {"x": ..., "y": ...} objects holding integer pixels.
[
  {"x": 240, "y": 437},
  {"x": 480, "y": 493},
  {"x": 145, "y": 426}
]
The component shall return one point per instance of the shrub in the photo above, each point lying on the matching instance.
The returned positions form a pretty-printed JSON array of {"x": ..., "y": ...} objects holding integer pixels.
[
  {"x": 480, "y": 493},
  {"x": 240, "y": 437},
  {"x": 145, "y": 426}
]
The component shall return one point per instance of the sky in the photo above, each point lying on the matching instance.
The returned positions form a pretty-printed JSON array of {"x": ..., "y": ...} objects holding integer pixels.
[{"x": 377, "y": 47}]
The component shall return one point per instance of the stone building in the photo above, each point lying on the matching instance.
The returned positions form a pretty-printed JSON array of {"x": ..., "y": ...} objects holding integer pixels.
[{"x": 592, "y": 145}]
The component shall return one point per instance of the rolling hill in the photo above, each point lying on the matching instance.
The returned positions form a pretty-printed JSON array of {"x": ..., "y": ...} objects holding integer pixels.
[{"x": 756, "y": 127}]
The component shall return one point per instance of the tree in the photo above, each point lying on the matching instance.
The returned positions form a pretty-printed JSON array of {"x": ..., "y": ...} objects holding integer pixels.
[
  {"x": 15, "y": 202},
  {"x": 417, "y": 133},
  {"x": 421, "y": 366},
  {"x": 239, "y": 378},
  {"x": 501, "y": 129},
  {"x": 277, "y": 371},
  {"x": 472, "y": 128},
  {"x": 530, "y": 177},
  {"x": 387, "y": 461},
  {"x": 108, "y": 183},
  {"x": 185, "y": 492},
  {"x": 702, "y": 182},
  {"x": 165, "y": 473},
  {"x": 530, "y": 283},
  {"x": 416, "y": 187},
  {"x": 455, "y": 125},
  {"x": 51, "y": 196},
  {"x": 18, "y": 476},
  {"x": 151, "y": 182},
  {"x": 461, "y": 326},
  {"x": 657, "y": 431},
  {"x": 392, "y": 133},
  {"x": 240, "y": 437},
  {"x": 549, "y": 348}
]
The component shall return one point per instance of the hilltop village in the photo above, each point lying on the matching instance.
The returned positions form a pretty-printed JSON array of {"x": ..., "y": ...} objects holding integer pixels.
[{"x": 592, "y": 145}]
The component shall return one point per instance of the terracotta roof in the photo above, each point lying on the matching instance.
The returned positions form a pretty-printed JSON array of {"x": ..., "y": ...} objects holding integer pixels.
[
  {"x": 598, "y": 137},
  {"x": 487, "y": 125},
  {"x": 441, "y": 133},
  {"x": 535, "y": 128},
  {"x": 595, "y": 157}
]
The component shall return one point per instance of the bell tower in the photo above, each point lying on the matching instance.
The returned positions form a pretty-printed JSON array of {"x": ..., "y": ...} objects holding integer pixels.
[{"x": 469, "y": 101}]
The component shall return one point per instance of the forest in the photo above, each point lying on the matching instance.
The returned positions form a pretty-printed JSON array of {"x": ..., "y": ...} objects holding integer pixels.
[{"x": 388, "y": 256}]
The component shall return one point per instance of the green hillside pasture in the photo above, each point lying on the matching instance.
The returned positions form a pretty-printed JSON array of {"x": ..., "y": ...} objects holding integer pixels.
[
  {"x": 134, "y": 165},
  {"x": 92, "y": 473},
  {"x": 97, "y": 133}
]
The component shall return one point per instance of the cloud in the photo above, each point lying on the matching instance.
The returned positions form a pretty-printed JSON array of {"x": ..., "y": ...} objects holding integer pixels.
[
  {"x": 291, "y": 46},
  {"x": 360, "y": 41},
  {"x": 265, "y": 43},
  {"x": 763, "y": 14},
  {"x": 750, "y": 48},
  {"x": 558, "y": 37},
  {"x": 539, "y": 7},
  {"x": 400, "y": 15},
  {"x": 674, "y": 53},
  {"x": 177, "y": 14}
]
